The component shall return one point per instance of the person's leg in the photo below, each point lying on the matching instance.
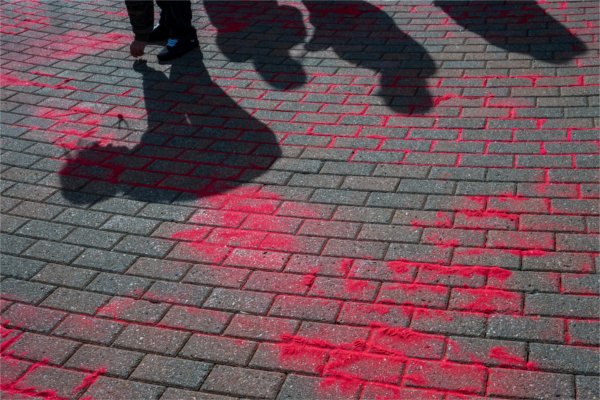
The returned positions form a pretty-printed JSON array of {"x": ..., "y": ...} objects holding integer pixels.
[
  {"x": 182, "y": 35},
  {"x": 178, "y": 17},
  {"x": 160, "y": 32}
]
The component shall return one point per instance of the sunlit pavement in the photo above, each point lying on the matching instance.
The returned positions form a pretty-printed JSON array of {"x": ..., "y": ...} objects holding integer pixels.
[{"x": 359, "y": 200}]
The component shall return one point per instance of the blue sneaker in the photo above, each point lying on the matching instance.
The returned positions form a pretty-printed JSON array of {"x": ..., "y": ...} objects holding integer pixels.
[{"x": 176, "y": 48}]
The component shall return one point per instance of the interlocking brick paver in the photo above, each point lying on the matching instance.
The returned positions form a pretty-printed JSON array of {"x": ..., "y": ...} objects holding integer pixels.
[
  {"x": 36, "y": 347},
  {"x": 115, "y": 362},
  {"x": 171, "y": 371},
  {"x": 32, "y": 318},
  {"x": 63, "y": 382},
  {"x": 138, "y": 337},
  {"x": 23, "y": 291},
  {"x": 20, "y": 268},
  {"x": 111, "y": 388},
  {"x": 63, "y": 275},
  {"x": 243, "y": 382},
  {"x": 342, "y": 200}
]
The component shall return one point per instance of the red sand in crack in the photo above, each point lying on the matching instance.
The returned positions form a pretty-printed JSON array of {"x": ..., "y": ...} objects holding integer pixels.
[{"x": 16, "y": 388}]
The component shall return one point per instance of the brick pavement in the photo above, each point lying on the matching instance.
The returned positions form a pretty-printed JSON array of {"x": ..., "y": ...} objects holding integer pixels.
[{"x": 361, "y": 201}]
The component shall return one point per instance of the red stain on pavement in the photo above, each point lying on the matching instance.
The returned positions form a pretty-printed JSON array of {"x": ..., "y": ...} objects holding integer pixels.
[
  {"x": 508, "y": 359},
  {"x": 12, "y": 81}
]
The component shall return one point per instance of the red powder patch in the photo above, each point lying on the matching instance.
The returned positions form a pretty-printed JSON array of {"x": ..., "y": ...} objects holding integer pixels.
[
  {"x": 485, "y": 300},
  {"x": 507, "y": 359},
  {"x": 406, "y": 342},
  {"x": 359, "y": 367}
]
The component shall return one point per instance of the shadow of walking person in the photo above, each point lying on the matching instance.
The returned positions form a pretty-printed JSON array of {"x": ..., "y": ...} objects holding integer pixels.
[
  {"x": 263, "y": 32},
  {"x": 199, "y": 142},
  {"x": 367, "y": 37},
  {"x": 516, "y": 26}
]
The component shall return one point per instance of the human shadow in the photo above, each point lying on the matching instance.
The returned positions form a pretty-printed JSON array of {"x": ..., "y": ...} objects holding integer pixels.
[
  {"x": 516, "y": 26},
  {"x": 367, "y": 37},
  {"x": 199, "y": 142},
  {"x": 262, "y": 32}
]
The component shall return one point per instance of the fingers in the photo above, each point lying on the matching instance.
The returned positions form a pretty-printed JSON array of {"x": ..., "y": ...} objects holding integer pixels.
[{"x": 137, "y": 48}]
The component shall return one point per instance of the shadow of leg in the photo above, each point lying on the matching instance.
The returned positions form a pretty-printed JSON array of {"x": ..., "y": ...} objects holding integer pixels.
[
  {"x": 367, "y": 37},
  {"x": 262, "y": 32}
]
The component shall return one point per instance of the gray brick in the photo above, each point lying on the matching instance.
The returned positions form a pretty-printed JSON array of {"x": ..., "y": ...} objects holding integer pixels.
[
  {"x": 300, "y": 387},
  {"x": 426, "y": 186},
  {"x": 588, "y": 387},
  {"x": 529, "y": 384},
  {"x": 93, "y": 238},
  {"x": 290, "y": 164},
  {"x": 526, "y": 328},
  {"x": 180, "y": 394},
  {"x": 390, "y": 233},
  {"x": 44, "y": 230},
  {"x": 75, "y": 301},
  {"x": 88, "y": 218},
  {"x": 29, "y": 191},
  {"x": 449, "y": 322},
  {"x": 46, "y": 379},
  {"x": 119, "y": 206},
  {"x": 370, "y": 183},
  {"x": 171, "y": 371},
  {"x": 179, "y": 293},
  {"x": 526, "y": 281},
  {"x": 418, "y": 253},
  {"x": 243, "y": 381},
  {"x": 128, "y": 309},
  {"x": 80, "y": 327},
  {"x": 150, "y": 339},
  {"x": 219, "y": 349},
  {"x": 563, "y": 261},
  {"x": 486, "y": 350},
  {"x": 561, "y": 305},
  {"x": 103, "y": 260},
  {"x": 36, "y": 347},
  {"x": 570, "y": 359},
  {"x": 62, "y": 275},
  {"x": 165, "y": 212},
  {"x": 238, "y": 300},
  {"x": 515, "y": 175},
  {"x": 159, "y": 269},
  {"x": 316, "y": 180},
  {"x": 144, "y": 246},
  {"x": 395, "y": 200},
  {"x": 577, "y": 242},
  {"x": 116, "y": 362},
  {"x": 584, "y": 332},
  {"x": 23, "y": 291},
  {"x": 20, "y": 268},
  {"x": 10, "y": 223},
  {"x": 332, "y": 196},
  {"x": 355, "y": 249},
  {"x": 196, "y": 319},
  {"x": 36, "y": 319},
  {"x": 326, "y": 154},
  {"x": 120, "y": 285},
  {"x": 401, "y": 171},
  {"x": 54, "y": 252},
  {"x": 111, "y": 388}
]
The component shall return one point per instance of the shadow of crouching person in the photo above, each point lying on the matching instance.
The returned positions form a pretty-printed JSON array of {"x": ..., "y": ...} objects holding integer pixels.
[{"x": 199, "y": 142}]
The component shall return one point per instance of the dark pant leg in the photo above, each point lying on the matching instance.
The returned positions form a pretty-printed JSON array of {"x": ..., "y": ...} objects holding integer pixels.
[{"x": 177, "y": 16}]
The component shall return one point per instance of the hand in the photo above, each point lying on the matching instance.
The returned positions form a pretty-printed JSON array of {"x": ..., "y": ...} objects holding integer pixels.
[{"x": 137, "y": 48}]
